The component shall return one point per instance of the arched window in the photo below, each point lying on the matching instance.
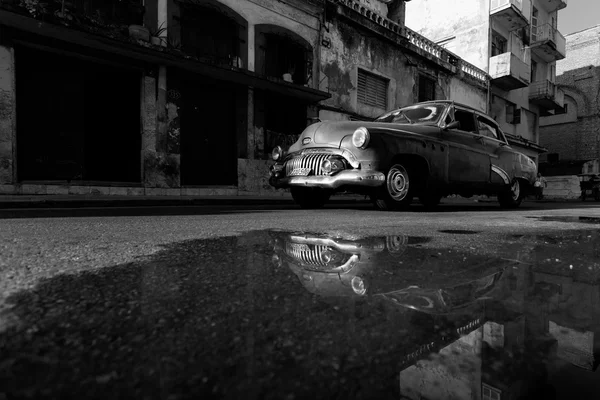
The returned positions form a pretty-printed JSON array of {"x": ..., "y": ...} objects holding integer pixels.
[
  {"x": 283, "y": 54},
  {"x": 212, "y": 36}
]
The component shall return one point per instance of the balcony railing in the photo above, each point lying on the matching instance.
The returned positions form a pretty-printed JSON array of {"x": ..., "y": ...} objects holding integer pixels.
[
  {"x": 547, "y": 94},
  {"x": 512, "y": 13},
  {"x": 550, "y": 43},
  {"x": 418, "y": 40}
]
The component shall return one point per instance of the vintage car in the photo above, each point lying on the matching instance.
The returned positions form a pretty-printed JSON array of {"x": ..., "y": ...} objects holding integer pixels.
[{"x": 428, "y": 150}]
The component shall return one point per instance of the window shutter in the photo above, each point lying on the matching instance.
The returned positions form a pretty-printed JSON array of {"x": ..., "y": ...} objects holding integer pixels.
[{"x": 372, "y": 89}]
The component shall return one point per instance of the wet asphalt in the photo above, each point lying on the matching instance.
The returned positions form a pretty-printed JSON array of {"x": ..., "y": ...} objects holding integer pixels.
[{"x": 278, "y": 303}]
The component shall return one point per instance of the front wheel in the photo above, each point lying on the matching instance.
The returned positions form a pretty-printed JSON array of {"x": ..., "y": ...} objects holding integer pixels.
[
  {"x": 513, "y": 196},
  {"x": 397, "y": 192},
  {"x": 310, "y": 198}
]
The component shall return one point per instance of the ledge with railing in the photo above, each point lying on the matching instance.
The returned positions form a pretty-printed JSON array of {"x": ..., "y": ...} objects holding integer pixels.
[
  {"x": 418, "y": 40},
  {"x": 547, "y": 32}
]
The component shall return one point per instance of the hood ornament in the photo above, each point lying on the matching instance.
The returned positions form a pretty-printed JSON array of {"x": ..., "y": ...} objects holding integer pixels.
[{"x": 306, "y": 140}]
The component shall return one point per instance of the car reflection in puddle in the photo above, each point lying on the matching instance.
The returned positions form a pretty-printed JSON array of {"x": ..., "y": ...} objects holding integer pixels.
[{"x": 388, "y": 266}]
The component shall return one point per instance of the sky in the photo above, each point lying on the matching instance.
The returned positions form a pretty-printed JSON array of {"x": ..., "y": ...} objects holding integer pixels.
[{"x": 578, "y": 15}]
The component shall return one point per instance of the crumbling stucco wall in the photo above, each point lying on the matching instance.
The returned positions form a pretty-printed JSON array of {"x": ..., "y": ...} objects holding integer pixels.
[
  {"x": 350, "y": 49},
  {"x": 160, "y": 168}
]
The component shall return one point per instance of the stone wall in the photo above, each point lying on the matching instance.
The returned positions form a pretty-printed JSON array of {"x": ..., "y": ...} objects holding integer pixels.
[{"x": 562, "y": 187}]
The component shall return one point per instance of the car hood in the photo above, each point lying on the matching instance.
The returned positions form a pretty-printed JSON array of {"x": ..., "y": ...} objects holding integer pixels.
[{"x": 332, "y": 132}]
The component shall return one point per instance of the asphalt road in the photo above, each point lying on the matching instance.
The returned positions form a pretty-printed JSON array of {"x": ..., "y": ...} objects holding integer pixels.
[{"x": 230, "y": 302}]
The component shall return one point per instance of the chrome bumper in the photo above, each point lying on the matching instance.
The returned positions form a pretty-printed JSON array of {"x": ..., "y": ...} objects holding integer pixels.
[{"x": 352, "y": 177}]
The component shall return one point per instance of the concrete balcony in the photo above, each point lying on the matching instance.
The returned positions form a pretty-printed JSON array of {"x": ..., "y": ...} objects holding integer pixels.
[
  {"x": 548, "y": 43},
  {"x": 512, "y": 14},
  {"x": 546, "y": 95},
  {"x": 553, "y": 5},
  {"x": 509, "y": 72}
]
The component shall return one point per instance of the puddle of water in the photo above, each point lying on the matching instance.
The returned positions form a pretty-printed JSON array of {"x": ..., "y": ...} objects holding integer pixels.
[
  {"x": 294, "y": 314},
  {"x": 580, "y": 219}
]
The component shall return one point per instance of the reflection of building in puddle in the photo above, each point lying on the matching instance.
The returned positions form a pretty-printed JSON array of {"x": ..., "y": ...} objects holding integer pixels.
[
  {"x": 574, "y": 347},
  {"x": 567, "y": 307},
  {"x": 453, "y": 372}
]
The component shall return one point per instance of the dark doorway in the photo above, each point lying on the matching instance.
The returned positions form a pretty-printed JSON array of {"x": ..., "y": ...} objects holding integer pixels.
[
  {"x": 208, "y": 133},
  {"x": 76, "y": 120}
]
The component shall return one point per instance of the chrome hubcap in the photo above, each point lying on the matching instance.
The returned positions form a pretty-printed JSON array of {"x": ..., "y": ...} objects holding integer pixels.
[
  {"x": 515, "y": 190},
  {"x": 398, "y": 183}
]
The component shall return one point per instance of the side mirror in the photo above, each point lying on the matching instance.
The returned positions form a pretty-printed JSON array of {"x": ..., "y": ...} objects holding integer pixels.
[{"x": 452, "y": 125}]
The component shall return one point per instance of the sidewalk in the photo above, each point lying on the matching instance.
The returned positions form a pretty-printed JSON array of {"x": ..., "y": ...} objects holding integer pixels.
[{"x": 85, "y": 201}]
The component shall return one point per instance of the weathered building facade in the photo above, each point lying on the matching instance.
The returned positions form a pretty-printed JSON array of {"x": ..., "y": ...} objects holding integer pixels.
[
  {"x": 516, "y": 42},
  {"x": 573, "y": 136},
  {"x": 188, "y": 97}
]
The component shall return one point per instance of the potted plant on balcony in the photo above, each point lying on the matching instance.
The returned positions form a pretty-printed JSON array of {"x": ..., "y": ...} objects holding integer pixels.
[{"x": 156, "y": 38}]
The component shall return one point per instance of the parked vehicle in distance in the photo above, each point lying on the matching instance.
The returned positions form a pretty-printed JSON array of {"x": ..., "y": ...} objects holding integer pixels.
[
  {"x": 428, "y": 151},
  {"x": 590, "y": 186}
]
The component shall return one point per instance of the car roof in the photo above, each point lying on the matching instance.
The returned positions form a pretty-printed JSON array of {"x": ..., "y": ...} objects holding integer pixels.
[{"x": 452, "y": 102}]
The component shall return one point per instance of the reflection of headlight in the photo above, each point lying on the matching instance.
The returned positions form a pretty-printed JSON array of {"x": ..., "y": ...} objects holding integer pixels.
[
  {"x": 358, "y": 285},
  {"x": 276, "y": 260},
  {"x": 326, "y": 256}
]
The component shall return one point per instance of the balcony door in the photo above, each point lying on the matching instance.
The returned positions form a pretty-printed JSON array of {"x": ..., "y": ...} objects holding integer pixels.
[{"x": 534, "y": 25}]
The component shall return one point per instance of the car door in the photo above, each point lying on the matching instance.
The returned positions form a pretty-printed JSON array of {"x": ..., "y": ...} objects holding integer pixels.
[
  {"x": 468, "y": 158},
  {"x": 496, "y": 147}
]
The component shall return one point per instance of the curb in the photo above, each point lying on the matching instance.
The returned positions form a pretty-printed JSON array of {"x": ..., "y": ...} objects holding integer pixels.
[{"x": 156, "y": 202}]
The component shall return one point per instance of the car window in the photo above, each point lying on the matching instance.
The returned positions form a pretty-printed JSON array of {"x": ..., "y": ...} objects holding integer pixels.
[
  {"x": 418, "y": 114},
  {"x": 466, "y": 120},
  {"x": 487, "y": 128}
]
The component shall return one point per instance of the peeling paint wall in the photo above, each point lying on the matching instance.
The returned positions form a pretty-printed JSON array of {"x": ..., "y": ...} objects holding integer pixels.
[
  {"x": 350, "y": 49},
  {"x": 6, "y": 115}
]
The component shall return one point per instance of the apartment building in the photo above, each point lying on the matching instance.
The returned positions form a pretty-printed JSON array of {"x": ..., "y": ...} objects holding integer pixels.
[
  {"x": 516, "y": 42},
  {"x": 573, "y": 137}
]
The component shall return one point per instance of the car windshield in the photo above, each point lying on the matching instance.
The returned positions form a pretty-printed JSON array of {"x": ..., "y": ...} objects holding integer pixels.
[{"x": 419, "y": 114}]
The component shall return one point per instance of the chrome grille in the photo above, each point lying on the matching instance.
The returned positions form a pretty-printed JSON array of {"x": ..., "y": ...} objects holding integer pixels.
[
  {"x": 307, "y": 254},
  {"x": 312, "y": 161}
]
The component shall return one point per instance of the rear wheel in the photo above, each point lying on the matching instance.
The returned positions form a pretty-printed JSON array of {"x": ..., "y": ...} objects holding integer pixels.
[
  {"x": 513, "y": 196},
  {"x": 310, "y": 198},
  {"x": 397, "y": 192}
]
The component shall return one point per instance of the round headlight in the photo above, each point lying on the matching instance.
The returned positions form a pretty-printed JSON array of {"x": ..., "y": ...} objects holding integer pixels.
[
  {"x": 360, "y": 138},
  {"x": 276, "y": 153}
]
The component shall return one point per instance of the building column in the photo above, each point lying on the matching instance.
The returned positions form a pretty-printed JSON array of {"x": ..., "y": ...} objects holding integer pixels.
[
  {"x": 250, "y": 143},
  {"x": 251, "y": 49},
  {"x": 7, "y": 112}
]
